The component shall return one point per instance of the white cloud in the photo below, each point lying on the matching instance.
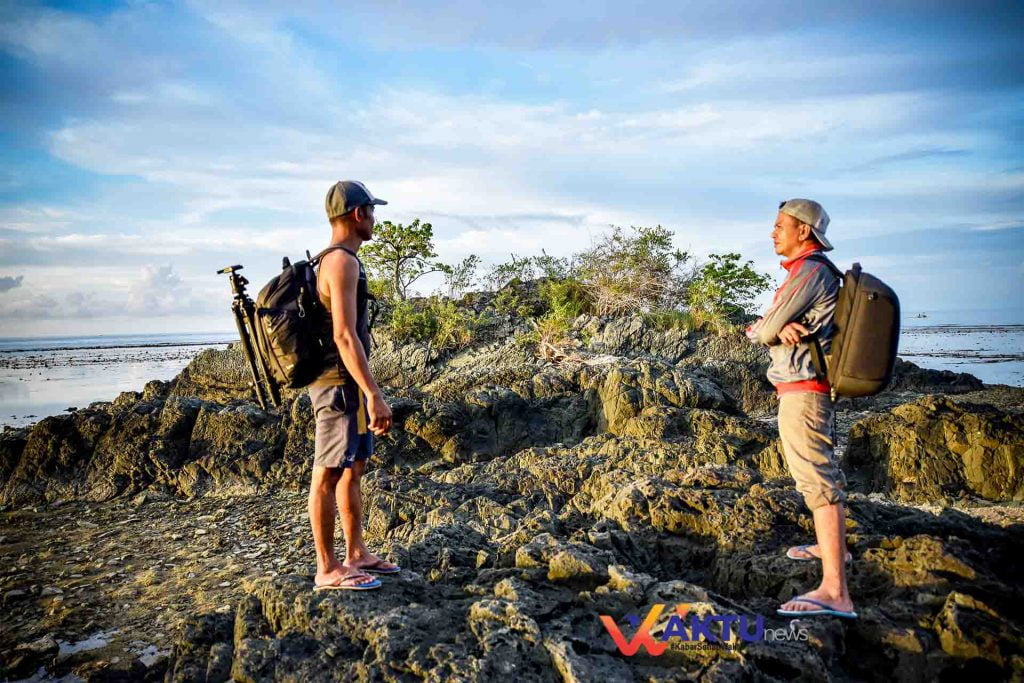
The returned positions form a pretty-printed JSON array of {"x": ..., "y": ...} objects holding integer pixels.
[
  {"x": 34, "y": 219},
  {"x": 160, "y": 291},
  {"x": 220, "y": 142},
  {"x": 155, "y": 291}
]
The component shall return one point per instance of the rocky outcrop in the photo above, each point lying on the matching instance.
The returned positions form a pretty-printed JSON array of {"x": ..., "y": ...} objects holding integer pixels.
[
  {"x": 105, "y": 450},
  {"x": 216, "y": 376},
  {"x": 509, "y": 565},
  {"x": 12, "y": 445},
  {"x": 200, "y": 434},
  {"x": 487, "y": 401},
  {"x": 909, "y": 377},
  {"x": 525, "y": 500},
  {"x": 933, "y": 449}
]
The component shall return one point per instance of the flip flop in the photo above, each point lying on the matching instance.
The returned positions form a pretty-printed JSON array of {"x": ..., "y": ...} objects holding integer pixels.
[
  {"x": 804, "y": 549},
  {"x": 375, "y": 568},
  {"x": 825, "y": 611},
  {"x": 345, "y": 583}
]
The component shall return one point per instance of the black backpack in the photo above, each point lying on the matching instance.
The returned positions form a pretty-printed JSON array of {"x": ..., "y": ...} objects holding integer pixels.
[
  {"x": 291, "y": 335},
  {"x": 867, "y": 335}
]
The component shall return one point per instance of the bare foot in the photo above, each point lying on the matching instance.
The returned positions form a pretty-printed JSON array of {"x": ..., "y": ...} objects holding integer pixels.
[
  {"x": 809, "y": 552},
  {"x": 341, "y": 572},
  {"x": 841, "y": 603}
]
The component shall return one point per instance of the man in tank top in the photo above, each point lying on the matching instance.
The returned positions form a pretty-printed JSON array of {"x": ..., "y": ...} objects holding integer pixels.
[{"x": 348, "y": 406}]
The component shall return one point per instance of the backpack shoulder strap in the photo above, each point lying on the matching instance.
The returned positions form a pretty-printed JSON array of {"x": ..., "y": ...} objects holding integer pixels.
[
  {"x": 821, "y": 258},
  {"x": 818, "y": 359},
  {"x": 315, "y": 261}
]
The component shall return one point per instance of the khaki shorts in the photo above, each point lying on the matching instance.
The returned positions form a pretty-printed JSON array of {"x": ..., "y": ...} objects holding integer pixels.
[
  {"x": 807, "y": 430},
  {"x": 342, "y": 430}
]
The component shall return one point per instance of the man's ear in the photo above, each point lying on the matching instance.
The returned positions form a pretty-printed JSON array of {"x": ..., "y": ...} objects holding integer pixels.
[{"x": 805, "y": 232}]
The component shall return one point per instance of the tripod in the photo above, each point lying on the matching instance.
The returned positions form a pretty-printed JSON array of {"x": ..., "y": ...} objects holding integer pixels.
[{"x": 244, "y": 310}]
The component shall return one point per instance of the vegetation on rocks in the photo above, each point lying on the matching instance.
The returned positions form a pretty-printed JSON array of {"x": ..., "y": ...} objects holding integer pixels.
[
  {"x": 524, "y": 499},
  {"x": 623, "y": 273},
  {"x": 550, "y": 463},
  {"x": 724, "y": 289}
]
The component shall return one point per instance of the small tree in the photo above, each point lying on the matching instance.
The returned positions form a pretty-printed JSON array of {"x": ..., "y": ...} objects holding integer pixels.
[
  {"x": 501, "y": 274},
  {"x": 402, "y": 254},
  {"x": 460, "y": 277},
  {"x": 634, "y": 271},
  {"x": 553, "y": 267},
  {"x": 725, "y": 287}
]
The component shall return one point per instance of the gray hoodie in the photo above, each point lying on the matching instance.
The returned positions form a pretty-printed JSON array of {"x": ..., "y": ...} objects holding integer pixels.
[{"x": 807, "y": 296}]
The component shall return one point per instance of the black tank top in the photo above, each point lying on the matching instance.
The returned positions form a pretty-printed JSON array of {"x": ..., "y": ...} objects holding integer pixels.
[{"x": 334, "y": 369}]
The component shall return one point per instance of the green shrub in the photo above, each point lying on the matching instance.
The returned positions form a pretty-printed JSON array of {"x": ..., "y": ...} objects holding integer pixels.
[
  {"x": 518, "y": 298},
  {"x": 552, "y": 334},
  {"x": 635, "y": 271},
  {"x": 381, "y": 287},
  {"x": 515, "y": 271},
  {"x": 527, "y": 268},
  {"x": 438, "y": 322},
  {"x": 460, "y": 277},
  {"x": 566, "y": 298},
  {"x": 671, "y": 320},
  {"x": 410, "y": 323},
  {"x": 724, "y": 288},
  {"x": 456, "y": 327}
]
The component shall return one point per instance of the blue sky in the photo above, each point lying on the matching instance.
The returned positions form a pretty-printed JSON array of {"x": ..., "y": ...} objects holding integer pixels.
[{"x": 146, "y": 144}]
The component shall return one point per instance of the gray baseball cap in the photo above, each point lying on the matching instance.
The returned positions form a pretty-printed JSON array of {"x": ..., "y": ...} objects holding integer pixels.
[
  {"x": 810, "y": 212},
  {"x": 346, "y": 195}
]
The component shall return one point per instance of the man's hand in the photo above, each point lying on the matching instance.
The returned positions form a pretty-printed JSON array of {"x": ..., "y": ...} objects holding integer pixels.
[
  {"x": 380, "y": 414},
  {"x": 793, "y": 333}
]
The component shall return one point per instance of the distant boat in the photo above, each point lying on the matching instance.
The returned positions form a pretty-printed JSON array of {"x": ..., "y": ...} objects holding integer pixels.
[{"x": 921, "y": 315}]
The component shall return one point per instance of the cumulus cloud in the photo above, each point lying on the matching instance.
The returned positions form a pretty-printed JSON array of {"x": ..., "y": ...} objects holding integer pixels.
[
  {"x": 161, "y": 291},
  {"x": 216, "y": 128},
  {"x": 8, "y": 282},
  {"x": 155, "y": 291}
]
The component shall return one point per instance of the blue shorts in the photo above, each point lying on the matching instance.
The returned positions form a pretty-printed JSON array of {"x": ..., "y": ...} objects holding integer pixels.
[{"x": 342, "y": 425}]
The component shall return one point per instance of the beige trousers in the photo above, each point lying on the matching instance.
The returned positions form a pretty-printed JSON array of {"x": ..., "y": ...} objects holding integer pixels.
[{"x": 807, "y": 431}]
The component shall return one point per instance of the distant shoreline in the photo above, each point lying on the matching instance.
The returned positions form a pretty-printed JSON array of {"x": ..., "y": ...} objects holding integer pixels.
[
  {"x": 152, "y": 345},
  {"x": 911, "y": 329},
  {"x": 44, "y": 376}
]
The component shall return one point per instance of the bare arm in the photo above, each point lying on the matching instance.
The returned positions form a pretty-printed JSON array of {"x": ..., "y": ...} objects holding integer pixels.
[{"x": 341, "y": 276}]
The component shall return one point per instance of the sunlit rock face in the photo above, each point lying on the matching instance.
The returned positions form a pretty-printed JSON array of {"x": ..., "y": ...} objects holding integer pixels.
[{"x": 525, "y": 498}]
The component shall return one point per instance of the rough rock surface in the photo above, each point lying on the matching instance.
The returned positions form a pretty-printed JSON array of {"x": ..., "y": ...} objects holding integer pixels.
[
  {"x": 933, "y": 448},
  {"x": 524, "y": 499}
]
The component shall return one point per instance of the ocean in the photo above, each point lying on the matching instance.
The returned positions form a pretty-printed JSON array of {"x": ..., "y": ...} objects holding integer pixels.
[
  {"x": 985, "y": 343},
  {"x": 45, "y": 376}
]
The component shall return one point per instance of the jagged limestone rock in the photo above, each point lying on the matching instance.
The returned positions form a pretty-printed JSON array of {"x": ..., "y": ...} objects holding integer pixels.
[
  {"x": 933, "y": 449},
  {"x": 525, "y": 499}
]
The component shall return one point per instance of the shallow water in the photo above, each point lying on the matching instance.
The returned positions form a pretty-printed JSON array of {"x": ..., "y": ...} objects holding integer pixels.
[
  {"x": 47, "y": 376},
  {"x": 986, "y": 344},
  {"x": 992, "y": 353},
  {"x": 44, "y": 377}
]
